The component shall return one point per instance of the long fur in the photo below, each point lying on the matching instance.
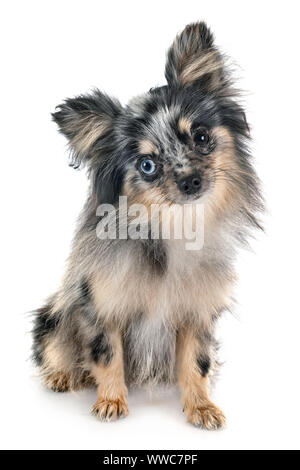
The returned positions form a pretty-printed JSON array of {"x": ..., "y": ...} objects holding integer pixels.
[{"x": 123, "y": 305}]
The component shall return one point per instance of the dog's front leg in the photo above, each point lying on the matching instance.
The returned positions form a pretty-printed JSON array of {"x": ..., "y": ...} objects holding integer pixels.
[
  {"x": 108, "y": 371},
  {"x": 193, "y": 363}
]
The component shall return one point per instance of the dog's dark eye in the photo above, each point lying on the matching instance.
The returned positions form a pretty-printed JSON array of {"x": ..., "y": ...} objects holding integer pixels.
[
  {"x": 148, "y": 167},
  {"x": 201, "y": 137}
]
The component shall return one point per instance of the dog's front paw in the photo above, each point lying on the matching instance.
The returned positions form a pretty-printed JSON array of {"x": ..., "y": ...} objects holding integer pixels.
[
  {"x": 206, "y": 415},
  {"x": 110, "y": 410}
]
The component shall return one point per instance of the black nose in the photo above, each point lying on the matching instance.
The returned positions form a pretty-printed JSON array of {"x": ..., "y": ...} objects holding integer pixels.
[{"x": 190, "y": 184}]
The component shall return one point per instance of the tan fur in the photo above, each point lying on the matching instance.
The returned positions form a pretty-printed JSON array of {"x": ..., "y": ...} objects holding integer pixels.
[
  {"x": 146, "y": 147},
  {"x": 58, "y": 381},
  {"x": 196, "y": 67},
  {"x": 184, "y": 125},
  {"x": 58, "y": 369},
  {"x": 196, "y": 403},
  {"x": 62, "y": 381},
  {"x": 110, "y": 410},
  {"x": 112, "y": 391},
  {"x": 90, "y": 130},
  {"x": 55, "y": 356},
  {"x": 225, "y": 195},
  {"x": 146, "y": 196}
]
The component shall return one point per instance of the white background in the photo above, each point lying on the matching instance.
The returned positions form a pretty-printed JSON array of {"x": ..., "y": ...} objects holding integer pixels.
[{"x": 54, "y": 49}]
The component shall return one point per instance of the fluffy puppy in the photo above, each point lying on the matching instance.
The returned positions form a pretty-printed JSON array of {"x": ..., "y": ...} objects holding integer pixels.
[{"x": 142, "y": 310}]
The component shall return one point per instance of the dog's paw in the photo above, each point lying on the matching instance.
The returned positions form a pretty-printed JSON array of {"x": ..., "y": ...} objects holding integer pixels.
[
  {"x": 110, "y": 410},
  {"x": 207, "y": 416},
  {"x": 58, "y": 382}
]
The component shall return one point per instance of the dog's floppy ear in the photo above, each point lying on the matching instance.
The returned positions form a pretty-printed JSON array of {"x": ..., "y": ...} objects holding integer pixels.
[
  {"x": 193, "y": 59},
  {"x": 87, "y": 122}
]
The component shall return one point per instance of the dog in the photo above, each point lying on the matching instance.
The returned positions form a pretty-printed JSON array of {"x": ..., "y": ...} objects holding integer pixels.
[{"x": 134, "y": 311}]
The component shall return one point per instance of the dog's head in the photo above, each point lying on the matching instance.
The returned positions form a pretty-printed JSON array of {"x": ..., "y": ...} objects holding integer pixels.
[{"x": 175, "y": 144}]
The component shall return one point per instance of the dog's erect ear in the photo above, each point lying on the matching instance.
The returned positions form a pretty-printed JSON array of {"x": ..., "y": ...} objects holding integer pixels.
[
  {"x": 87, "y": 122},
  {"x": 193, "y": 58}
]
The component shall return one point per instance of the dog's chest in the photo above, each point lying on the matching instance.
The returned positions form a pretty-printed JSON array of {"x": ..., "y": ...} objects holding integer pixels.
[
  {"x": 169, "y": 280},
  {"x": 163, "y": 281}
]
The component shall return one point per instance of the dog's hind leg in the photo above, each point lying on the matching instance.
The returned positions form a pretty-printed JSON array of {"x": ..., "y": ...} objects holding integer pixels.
[
  {"x": 56, "y": 369},
  {"x": 46, "y": 351},
  {"x": 55, "y": 353}
]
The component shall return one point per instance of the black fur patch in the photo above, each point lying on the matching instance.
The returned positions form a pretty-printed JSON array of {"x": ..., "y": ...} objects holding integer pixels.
[
  {"x": 156, "y": 256},
  {"x": 45, "y": 323},
  {"x": 108, "y": 183},
  {"x": 85, "y": 291},
  {"x": 203, "y": 364},
  {"x": 101, "y": 349}
]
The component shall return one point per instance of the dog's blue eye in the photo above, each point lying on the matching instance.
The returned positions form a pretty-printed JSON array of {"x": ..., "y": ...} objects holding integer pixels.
[{"x": 148, "y": 167}]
